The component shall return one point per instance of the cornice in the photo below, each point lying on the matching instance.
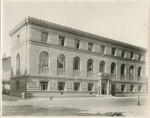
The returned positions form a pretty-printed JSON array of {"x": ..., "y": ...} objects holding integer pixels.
[
  {"x": 44, "y": 23},
  {"x": 18, "y": 26}
]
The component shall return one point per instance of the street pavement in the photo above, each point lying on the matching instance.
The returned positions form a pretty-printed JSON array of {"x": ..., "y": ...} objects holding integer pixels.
[{"x": 92, "y": 106}]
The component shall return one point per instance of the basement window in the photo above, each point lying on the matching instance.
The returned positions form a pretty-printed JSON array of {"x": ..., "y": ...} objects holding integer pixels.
[
  {"x": 122, "y": 88},
  {"x": 43, "y": 85},
  {"x": 76, "y": 86},
  {"x": 90, "y": 87},
  {"x": 61, "y": 85}
]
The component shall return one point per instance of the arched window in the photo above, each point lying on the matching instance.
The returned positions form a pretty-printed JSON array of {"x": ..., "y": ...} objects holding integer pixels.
[
  {"x": 139, "y": 71},
  {"x": 102, "y": 67},
  {"x": 113, "y": 68},
  {"x": 18, "y": 62},
  {"x": 90, "y": 65},
  {"x": 43, "y": 59},
  {"x": 76, "y": 63},
  {"x": 122, "y": 69},
  {"x": 61, "y": 61},
  {"x": 131, "y": 71}
]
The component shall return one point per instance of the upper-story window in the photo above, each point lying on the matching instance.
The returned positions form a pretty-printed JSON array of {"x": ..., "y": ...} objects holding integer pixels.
[
  {"x": 43, "y": 59},
  {"x": 131, "y": 73},
  {"x": 131, "y": 55},
  {"x": 123, "y": 70},
  {"x": 18, "y": 62},
  {"x": 43, "y": 62},
  {"x": 123, "y": 53},
  {"x": 90, "y": 46},
  {"x": 61, "y": 40},
  {"x": 76, "y": 63},
  {"x": 102, "y": 67},
  {"x": 139, "y": 71},
  {"x": 61, "y": 62},
  {"x": 140, "y": 57},
  {"x": 113, "y": 68},
  {"x": 102, "y": 49},
  {"x": 113, "y": 50},
  {"x": 44, "y": 37},
  {"x": 77, "y": 44},
  {"x": 90, "y": 65}
]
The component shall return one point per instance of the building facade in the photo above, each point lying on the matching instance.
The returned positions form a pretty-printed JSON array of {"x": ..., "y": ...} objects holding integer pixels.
[{"x": 53, "y": 60}]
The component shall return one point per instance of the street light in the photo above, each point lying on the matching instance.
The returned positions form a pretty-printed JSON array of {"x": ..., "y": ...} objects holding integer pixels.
[{"x": 99, "y": 83}]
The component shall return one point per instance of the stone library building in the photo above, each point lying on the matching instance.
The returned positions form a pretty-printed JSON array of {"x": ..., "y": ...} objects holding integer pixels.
[{"x": 48, "y": 59}]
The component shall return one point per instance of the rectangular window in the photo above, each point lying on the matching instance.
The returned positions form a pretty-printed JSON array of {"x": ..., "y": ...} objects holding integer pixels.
[
  {"x": 122, "y": 53},
  {"x": 113, "y": 51},
  {"x": 17, "y": 85},
  {"x": 90, "y": 87},
  {"x": 61, "y": 40},
  {"x": 61, "y": 85},
  {"x": 102, "y": 49},
  {"x": 140, "y": 56},
  {"x": 131, "y": 55},
  {"x": 90, "y": 46},
  {"x": 76, "y": 86},
  {"x": 77, "y": 44},
  {"x": 43, "y": 85},
  {"x": 44, "y": 37},
  {"x": 139, "y": 88},
  {"x": 122, "y": 87},
  {"x": 131, "y": 88}
]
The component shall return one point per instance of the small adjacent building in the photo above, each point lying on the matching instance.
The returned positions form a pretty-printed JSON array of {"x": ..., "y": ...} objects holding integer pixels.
[
  {"x": 48, "y": 59},
  {"x": 6, "y": 73}
]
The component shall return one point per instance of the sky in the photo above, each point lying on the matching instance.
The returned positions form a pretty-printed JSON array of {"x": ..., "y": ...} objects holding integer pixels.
[{"x": 123, "y": 21}]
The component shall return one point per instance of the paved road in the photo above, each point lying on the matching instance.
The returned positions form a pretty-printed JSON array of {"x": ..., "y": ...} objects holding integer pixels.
[{"x": 76, "y": 107}]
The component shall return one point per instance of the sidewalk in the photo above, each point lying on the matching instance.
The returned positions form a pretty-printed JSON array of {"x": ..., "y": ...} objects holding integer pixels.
[
  {"x": 9, "y": 98},
  {"x": 12, "y": 98},
  {"x": 68, "y": 98}
]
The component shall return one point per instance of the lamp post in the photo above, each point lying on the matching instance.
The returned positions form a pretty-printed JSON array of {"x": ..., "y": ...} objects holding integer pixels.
[
  {"x": 108, "y": 87},
  {"x": 99, "y": 83}
]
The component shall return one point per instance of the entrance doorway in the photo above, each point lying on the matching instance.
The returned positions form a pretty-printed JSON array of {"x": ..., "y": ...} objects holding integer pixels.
[
  {"x": 113, "y": 89},
  {"x": 103, "y": 90}
]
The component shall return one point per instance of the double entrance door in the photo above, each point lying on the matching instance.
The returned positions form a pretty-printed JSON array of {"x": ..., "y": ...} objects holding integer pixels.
[
  {"x": 103, "y": 89},
  {"x": 111, "y": 89}
]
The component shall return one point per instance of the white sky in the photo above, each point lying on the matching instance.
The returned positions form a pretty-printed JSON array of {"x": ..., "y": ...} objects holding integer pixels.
[{"x": 123, "y": 21}]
